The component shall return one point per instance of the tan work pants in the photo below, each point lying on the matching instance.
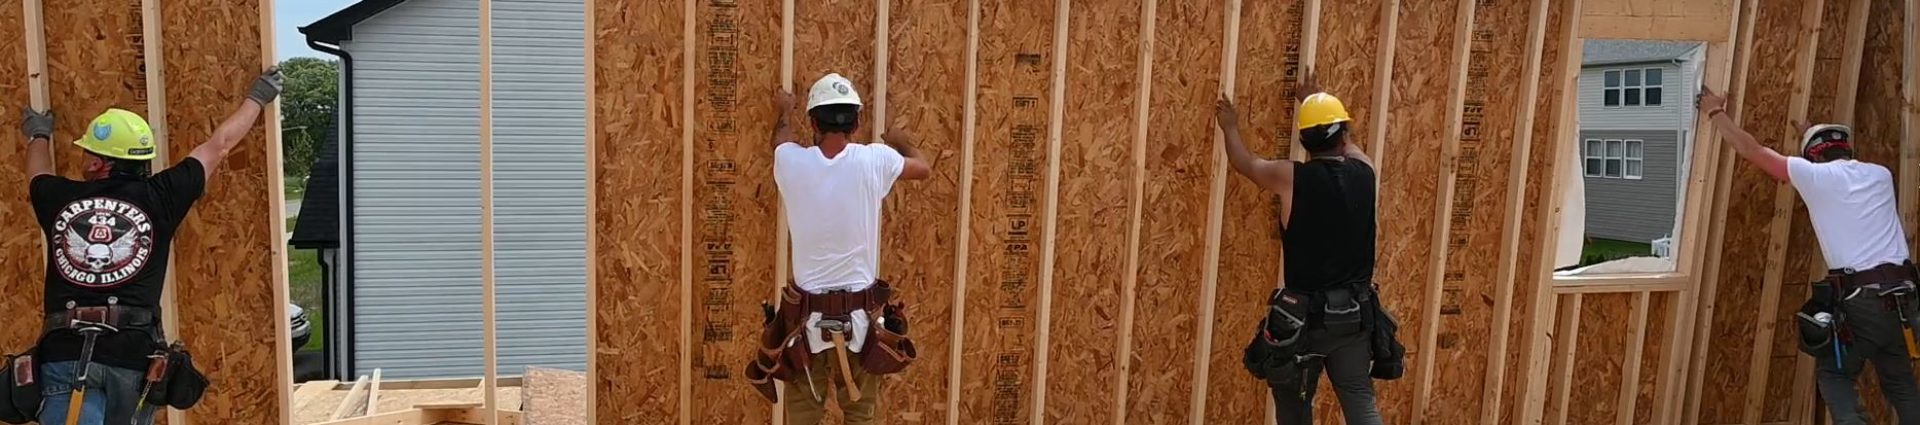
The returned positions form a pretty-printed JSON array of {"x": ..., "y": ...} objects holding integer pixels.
[{"x": 803, "y": 408}]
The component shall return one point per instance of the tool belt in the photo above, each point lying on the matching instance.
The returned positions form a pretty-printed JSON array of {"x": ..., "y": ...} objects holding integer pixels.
[
  {"x": 1823, "y": 319},
  {"x": 171, "y": 378},
  {"x": 1283, "y": 353},
  {"x": 784, "y": 350}
]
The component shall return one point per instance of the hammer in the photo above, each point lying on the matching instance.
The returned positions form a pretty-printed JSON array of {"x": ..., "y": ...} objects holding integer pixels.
[{"x": 839, "y": 330}]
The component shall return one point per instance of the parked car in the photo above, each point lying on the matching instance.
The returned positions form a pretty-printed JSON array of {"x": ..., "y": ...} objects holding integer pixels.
[{"x": 302, "y": 331}]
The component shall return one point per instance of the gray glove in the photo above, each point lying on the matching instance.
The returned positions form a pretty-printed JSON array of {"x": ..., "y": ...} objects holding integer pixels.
[
  {"x": 37, "y": 124},
  {"x": 266, "y": 87}
]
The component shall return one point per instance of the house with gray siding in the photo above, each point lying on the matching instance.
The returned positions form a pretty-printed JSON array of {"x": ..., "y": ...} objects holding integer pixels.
[
  {"x": 404, "y": 287},
  {"x": 1636, "y": 122}
]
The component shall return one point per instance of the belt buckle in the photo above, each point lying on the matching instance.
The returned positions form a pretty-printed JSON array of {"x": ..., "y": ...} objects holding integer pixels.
[
  {"x": 90, "y": 314},
  {"x": 831, "y": 325}
]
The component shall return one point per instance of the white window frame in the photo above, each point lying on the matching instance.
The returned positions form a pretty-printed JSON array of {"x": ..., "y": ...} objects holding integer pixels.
[
  {"x": 1628, "y": 158},
  {"x": 1621, "y": 87},
  {"x": 1587, "y": 155}
]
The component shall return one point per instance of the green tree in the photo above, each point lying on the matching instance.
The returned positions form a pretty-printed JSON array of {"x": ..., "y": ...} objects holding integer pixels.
[{"x": 307, "y": 110}]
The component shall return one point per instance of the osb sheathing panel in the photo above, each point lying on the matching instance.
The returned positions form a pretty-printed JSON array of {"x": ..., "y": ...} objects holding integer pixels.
[
  {"x": 1487, "y": 137},
  {"x": 1597, "y": 374},
  {"x": 1425, "y": 60},
  {"x": 638, "y": 196},
  {"x": 1188, "y": 39},
  {"x": 1268, "y": 63},
  {"x": 1096, "y": 182},
  {"x": 1784, "y": 349},
  {"x": 20, "y": 238},
  {"x": 1347, "y": 60},
  {"x": 733, "y": 200},
  {"x": 1008, "y": 203},
  {"x": 94, "y": 62},
  {"x": 1769, "y": 83},
  {"x": 833, "y": 36},
  {"x": 223, "y": 262},
  {"x": 1528, "y": 280},
  {"x": 926, "y": 89},
  {"x": 1659, "y": 327}
]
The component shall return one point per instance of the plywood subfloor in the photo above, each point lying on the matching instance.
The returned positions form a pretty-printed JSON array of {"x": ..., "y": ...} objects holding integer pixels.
[
  {"x": 734, "y": 201},
  {"x": 1008, "y": 203},
  {"x": 1764, "y": 113},
  {"x": 638, "y": 196},
  {"x": 1250, "y": 255},
  {"x": 926, "y": 95},
  {"x": 228, "y": 264},
  {"x": 552, "y": 397},
  {"x": 1095, "y": 217},
  {"x": 1187, "y": 49}
]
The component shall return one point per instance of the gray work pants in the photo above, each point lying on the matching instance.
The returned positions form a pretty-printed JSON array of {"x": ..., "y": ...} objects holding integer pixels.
[
  {"x": 1348, "y": 364},
  {"x": 1876, "y": 339}
]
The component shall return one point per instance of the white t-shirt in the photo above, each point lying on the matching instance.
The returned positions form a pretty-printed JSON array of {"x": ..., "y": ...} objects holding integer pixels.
[
  {"x": 833, "y": 215},
  {"x": 1855, "y": 217}
]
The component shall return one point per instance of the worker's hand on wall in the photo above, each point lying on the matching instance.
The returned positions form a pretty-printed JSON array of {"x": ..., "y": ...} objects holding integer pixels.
[
  {"x": 37, "y": 124},
  {"x": 266, "y": 87},
  {"x": 1309, "y": 84},
  {"x": 782, "y": 101},
  {"x": 1708, "y": 102},
  {"x": 1225, "y": 115}
]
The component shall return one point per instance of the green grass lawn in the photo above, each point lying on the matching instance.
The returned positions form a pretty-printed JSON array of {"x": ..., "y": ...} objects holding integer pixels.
[
  {"x": 303, "y": 277},
  {"x": 296, "y": 188},
  {"x": 1603, "y": 250}
]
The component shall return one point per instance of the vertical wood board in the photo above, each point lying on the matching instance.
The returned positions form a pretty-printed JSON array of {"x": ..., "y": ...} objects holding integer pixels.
[
  {"x": 1096, "y": 180},
  {"x": 20, "y": 238},
  {"x": 1004, "y": 267},
  {"x": 1597, "y": 374},
  {"x": 1186, "y": 71},
  {"x": 926, "y": 86},
  {"x": 1535, "y": 224},
  {"x": 1268, "y": 67},
  {"x": 228, "y": 263},
  {"x": 639, "y": 197}
]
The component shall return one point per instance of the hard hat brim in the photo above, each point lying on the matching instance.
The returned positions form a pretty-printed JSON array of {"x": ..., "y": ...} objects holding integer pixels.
[{"x": 82, "y": 143}]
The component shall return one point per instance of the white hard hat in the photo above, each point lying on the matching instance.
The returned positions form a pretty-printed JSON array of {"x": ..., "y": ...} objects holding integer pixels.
[
  {"x": 1824, "y": 133},
  {"x": 832, "y": 89}
]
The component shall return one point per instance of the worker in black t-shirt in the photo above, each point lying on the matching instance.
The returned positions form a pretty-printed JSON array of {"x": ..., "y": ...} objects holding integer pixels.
[
  {"x": 108, "y": 237},
  {"x": 1332, "y": 322}
]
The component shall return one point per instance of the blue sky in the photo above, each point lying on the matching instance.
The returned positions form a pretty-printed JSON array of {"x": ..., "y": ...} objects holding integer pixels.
[{"x": 289, "y": 16}]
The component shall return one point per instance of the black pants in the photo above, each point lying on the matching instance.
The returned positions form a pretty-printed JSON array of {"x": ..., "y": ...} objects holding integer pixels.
[
  {"x": 1877, "y": 339},
  {"x": 1347, "y": 363}
]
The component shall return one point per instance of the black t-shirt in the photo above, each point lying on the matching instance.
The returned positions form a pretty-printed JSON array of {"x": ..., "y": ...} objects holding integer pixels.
[
  {"x": 1330, "y": 238},
  {"x": 110, "y": 238}
]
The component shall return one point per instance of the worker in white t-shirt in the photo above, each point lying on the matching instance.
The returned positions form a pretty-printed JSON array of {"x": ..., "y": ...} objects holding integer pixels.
[
  {"x": 832, "y": 190},
  {"x": 1864, "y": 310}
]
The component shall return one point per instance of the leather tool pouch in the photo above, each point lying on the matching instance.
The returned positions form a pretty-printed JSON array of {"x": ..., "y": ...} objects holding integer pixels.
[
  {"x": 888, "y": 349},
  {"x": 20, "y": 402},
  {"x": 181, "y": 384}
]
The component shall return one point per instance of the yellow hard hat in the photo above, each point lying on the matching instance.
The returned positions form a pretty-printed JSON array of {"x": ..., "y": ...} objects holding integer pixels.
[
  {"x": 119, "y": 133},
  {"x": 1320, "y": 109}
]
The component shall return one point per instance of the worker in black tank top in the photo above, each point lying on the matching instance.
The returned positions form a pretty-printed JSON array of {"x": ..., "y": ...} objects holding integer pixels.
[
  {"x": 1328, "y": 237},
  {"x": 1327, "y": 224}
]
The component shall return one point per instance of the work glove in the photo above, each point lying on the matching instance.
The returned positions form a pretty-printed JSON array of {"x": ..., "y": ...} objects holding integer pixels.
[
  {"x": 37, "y": 124},
  {"x": 266, "y": 87}
]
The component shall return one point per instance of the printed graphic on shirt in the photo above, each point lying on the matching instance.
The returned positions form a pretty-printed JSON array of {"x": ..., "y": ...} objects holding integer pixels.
[{"x": 101, "y": 242}]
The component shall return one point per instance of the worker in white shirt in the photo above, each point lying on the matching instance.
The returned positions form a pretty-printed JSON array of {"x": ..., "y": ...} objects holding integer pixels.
[{"x": 1863, "y": 311}]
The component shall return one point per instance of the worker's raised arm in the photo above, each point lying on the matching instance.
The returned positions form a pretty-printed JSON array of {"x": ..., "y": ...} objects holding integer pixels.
[
  {"x": 782, "y": 126},
  {"x": 265, "y": 88},
  {"x": 38, "y": 126},
  {"x": 917, "y": 166},
  {"x": 1274, "y": 176},
  {"x": 1714, "y": 107}
]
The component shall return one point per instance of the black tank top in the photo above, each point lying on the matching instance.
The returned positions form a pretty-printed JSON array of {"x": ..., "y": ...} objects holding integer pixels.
[{"x": 1330, "y": 239}]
